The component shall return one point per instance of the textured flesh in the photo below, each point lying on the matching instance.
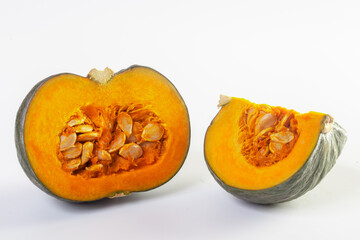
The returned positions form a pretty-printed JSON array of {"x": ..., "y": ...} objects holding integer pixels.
[
  {"x": 59, "y": 97},
  {"x": 224, "y": 156}
]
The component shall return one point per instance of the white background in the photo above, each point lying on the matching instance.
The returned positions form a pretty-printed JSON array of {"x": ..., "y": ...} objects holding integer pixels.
[{"x": 303, "y": 55}]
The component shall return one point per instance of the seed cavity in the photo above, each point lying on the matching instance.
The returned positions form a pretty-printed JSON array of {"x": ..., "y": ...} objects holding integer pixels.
[
  {"x": 267, "y": 134},
  {"x": 98, "y": 141}
]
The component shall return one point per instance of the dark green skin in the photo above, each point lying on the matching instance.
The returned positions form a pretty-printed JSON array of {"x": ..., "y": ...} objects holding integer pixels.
[
  {"x": 321, "y": 160},
  {"x": 20, "y": 142}
]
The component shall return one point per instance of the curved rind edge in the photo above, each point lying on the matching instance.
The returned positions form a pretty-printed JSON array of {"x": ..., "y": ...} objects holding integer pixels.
[{"x": 328, "y": 148}]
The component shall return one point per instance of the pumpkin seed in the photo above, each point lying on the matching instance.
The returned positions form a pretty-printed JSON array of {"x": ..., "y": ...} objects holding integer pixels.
[
  {"x": 76, "y": 121},
  {"x": 263, "y": 132},
  {"x": 88, "y": 136},
  {"x": 125, "y": 123},
  {"x": 152, "y": 132},
  {"x": 136, "y": 133},
  {"x": 266, "y": 121},
  {"x": 285, "y": 121},
  {"x": 148, "y": 145},
  {"x": 104, "y": 155},
  {"x": 86, "y": 152},
  {"x": 71, "y": 165},
  {"x": 275, "y": 147},
  {"x": 95, "y": 168},
  {"x": 67, "y": 142},
  {"x": 282, "y": 137},
  {"x": 264, "y": 150},
  {"x": 84, "y": 128},
  {"x": 73, "y": 152},
  {"x": 131, "y": 151},
  {"x": 118, "y": 142},
  {"x": 251, "y": 116}
]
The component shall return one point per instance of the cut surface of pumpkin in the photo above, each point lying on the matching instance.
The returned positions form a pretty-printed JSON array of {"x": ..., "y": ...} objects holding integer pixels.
[
  {"x": 255, "y": 151},
  {"x": 85, "y": 138}
]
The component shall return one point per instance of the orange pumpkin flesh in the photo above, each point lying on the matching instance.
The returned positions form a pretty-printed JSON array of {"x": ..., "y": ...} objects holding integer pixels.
[
  {"x": 232, "y": 158},
  {"x": 64, "y": 96}
]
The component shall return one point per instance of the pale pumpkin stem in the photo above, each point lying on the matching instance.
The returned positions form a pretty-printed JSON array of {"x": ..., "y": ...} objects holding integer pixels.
[
  {"x": 101, "y": 77},
  {"x": 119, "y": 194},
  {"x": 328, "y": 123},
  {"x": 223, "y": 100}
]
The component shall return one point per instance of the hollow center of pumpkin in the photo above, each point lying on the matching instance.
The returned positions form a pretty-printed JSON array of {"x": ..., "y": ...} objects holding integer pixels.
[
  {"x": 99, "y": 141},
  {"x": 267, "y": 134}
]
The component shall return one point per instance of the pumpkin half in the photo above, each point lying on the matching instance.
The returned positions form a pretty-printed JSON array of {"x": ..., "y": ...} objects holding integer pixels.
[
  {"x": 266, "y": 154},
  {"x": 104, "y": 135}
]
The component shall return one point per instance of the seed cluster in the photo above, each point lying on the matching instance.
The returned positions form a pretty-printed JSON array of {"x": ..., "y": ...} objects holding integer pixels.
[
  {"x": 267, "y": 134},
  {"x": 101, "y": 141}
]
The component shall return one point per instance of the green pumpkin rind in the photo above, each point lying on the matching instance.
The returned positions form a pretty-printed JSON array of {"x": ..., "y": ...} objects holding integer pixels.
[{"x": 323, "y": 157}]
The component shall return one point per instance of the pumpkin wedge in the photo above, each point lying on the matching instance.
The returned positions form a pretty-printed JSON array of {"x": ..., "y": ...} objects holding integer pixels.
[
  {"x": 266, "y": 154},
  {"x": 104, "y": 135}
]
